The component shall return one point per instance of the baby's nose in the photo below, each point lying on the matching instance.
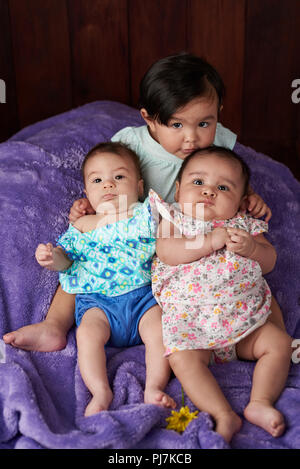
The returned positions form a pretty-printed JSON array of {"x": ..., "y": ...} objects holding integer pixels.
[
  {"x": 190, "y": 136},
  {"x": 109, "y": 183},
  {"x": 209, "y": 192}
]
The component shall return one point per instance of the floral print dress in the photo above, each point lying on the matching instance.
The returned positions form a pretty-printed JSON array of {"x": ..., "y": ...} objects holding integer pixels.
[{"x": 216, "y": 301}]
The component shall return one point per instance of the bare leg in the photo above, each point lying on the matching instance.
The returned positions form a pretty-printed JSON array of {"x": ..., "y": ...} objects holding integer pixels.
[
  {"x": 92, "y": 335},
  {"x": 276, "y": 318},
  {"x": 191, "y": 368},
  {"x": 272, "y": 348},
  {"x": 50, "y": 334},
  {"x": 157, "y": 366},
  {"x": 276, "y": 315}
]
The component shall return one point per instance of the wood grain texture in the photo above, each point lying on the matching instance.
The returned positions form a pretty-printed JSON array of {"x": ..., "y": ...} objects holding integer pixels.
[
  {"x": 9, "y": 121},
  {"x": 271, "y": 121},
  {"x": 216, "y": 31},
  {"x": 157, "y": 28},
  {"x": 99, "y": 38},
  {"x": 41, "y": 58},
  {"x": 59, "y": 54}
]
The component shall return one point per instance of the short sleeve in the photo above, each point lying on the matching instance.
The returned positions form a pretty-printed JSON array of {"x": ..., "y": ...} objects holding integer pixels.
[
  {"x": 257, "y": 226},
  {"x": 224, "y": 137},
  {"x": 161, "y": 209},
  {"x": 126, "y": 136},
  {"x": 67, "y": 242}
]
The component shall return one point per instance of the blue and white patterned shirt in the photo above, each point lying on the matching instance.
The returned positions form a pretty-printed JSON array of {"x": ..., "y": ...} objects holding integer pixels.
[{"x": 113, "y": 259}]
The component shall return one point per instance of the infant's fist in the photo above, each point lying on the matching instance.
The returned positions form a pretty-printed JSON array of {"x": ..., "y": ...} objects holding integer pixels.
[
  {"x": 44, "y": 254},
  {"x": 219, "y": 237}
]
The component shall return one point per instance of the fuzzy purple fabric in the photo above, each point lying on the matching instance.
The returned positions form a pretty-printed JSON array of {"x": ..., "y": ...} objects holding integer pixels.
[{"x": 42, "y": 395}]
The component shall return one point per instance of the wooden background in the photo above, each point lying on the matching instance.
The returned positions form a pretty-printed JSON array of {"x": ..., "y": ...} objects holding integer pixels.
[{"x": 59, "y": 54}]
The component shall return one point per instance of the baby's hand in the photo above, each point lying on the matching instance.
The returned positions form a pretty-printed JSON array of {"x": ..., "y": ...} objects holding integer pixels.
[
  {"x": 240, "y": 242},
  {"x": 44, "y": 255},
  {"x": 80, "y": 208},
  {"x": 219, "y": 238},
  {"x": 257, "y": 207}
]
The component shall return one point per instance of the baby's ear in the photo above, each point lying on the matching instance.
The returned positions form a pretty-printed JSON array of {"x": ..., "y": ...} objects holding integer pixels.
[
  {"x": 141, "y": 188},
  {"x": 177, "y": 185}
]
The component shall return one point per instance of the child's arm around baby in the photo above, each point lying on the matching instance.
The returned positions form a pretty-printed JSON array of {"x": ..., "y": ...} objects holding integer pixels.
[
  {"x": 256, "y": 247},
  {"x": 257, "y": 208}
]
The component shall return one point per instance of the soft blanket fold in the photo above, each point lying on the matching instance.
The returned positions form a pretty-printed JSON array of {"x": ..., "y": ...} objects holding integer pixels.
[{"x": 42, "y": 396}]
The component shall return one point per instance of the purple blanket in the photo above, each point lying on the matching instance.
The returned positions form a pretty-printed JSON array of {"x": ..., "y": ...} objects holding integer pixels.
[{"x": 42, "y": 396}]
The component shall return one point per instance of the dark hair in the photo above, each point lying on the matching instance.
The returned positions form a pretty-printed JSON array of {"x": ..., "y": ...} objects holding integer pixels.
[
  {"x": 223, "y": 153},
  {"x": 174, "y": 81},
  {"x": 113, "y": 147}
]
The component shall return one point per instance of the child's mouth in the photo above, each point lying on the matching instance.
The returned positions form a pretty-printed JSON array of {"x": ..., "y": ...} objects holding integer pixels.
[
  {"x": 109, "y": 196},
  {"x": 187, "y": 151}
]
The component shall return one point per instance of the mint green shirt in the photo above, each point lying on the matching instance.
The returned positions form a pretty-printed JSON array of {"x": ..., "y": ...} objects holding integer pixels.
[{"x": 159, "y": 167}]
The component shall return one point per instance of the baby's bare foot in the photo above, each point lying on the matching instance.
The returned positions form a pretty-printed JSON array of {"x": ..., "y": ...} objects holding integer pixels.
[
  {"x": 227, "y": 424},
  {"x": 100, "y": 401},
  {"x": 41, "y": 337},
  {"x": 263, "y": 414},
  {"x": 158, "y": 397}
]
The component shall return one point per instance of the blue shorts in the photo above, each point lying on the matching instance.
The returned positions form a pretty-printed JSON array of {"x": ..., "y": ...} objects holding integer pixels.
[{"x": 123, "y": 313}]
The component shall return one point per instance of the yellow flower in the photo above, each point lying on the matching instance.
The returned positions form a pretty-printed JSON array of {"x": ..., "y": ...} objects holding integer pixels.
[{"x": 180, "y": 420}]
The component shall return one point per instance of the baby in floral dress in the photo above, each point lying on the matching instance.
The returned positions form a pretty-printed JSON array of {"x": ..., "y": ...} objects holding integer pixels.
[{"x": 207, "y": 277}]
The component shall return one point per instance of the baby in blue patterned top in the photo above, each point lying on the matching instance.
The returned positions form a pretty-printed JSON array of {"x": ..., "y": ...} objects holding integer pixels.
[{"x": 105, "y": 258}]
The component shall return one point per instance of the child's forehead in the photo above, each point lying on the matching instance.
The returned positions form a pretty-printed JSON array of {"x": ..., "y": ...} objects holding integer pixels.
[
  {"x": 108, "y": 159},
  {"x": 203, "y": 106},
  {"x": 212, "y": 161}
]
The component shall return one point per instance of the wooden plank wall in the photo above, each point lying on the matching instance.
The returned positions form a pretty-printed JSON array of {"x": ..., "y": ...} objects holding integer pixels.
[{"x": 59, "y": 54}]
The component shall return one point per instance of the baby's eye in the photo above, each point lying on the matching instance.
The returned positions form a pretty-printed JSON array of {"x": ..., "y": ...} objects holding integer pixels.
[
  {"x": 203, "y": 124},
  {"x": 119, "y": 176},
  {"x": 97, "y": 180},
  {"x": 198, "y": 182},
  {"x": 177, "y": 125},
  {"x": 221, "y": 187}
]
